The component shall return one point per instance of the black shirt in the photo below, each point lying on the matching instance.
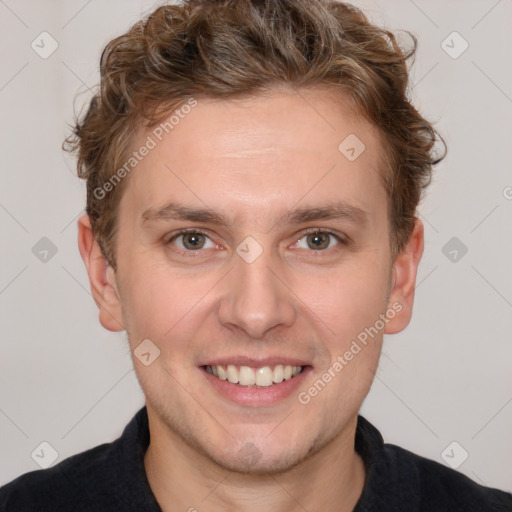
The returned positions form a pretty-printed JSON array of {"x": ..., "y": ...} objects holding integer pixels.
[{"x": 111, "y": 477}]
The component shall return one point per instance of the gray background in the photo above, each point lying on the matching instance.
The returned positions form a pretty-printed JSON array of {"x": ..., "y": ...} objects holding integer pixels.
[{"x": 67, "y": 381}]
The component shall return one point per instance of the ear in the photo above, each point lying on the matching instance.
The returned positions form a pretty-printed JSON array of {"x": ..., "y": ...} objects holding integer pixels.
[
  {"x": 102, "y": 277},
  {"x": 401, "y": 296}
]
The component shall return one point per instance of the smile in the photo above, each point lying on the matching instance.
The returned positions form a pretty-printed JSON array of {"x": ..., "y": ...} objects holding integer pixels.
[{"x": 263, "y": 376}]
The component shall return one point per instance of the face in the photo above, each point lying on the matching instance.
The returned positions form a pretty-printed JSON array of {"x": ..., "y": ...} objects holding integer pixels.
[{"x": 251, "y": 249}]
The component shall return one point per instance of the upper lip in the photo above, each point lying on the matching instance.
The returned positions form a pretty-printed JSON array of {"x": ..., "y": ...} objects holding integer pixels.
[{"x": 253, "y": 362}]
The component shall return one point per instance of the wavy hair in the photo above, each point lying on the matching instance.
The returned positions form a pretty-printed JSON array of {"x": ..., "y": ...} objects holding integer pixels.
[{"x": 232, "y": 48}]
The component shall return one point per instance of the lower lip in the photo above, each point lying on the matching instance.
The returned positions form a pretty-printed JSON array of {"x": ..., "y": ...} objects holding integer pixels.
[{"x": 257, "y": 396}]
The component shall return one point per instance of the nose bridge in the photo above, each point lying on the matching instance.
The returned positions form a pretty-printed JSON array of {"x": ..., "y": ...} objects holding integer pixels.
[{"x": 255, "y": 298}]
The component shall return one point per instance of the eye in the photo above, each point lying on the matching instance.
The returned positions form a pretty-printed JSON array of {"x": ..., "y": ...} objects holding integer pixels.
[
  {"x": 318, "y": 240},
  {"x": 192, "y": 241}
]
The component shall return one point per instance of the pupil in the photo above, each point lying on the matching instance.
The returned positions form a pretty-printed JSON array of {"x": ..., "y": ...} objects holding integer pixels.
[
  {"x": 319, "y": 241},
  {"x": 193, "y": 240}
]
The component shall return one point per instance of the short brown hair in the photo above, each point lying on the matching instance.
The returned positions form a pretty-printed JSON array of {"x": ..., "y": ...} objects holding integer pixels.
[{"x": 232, "y": 48}]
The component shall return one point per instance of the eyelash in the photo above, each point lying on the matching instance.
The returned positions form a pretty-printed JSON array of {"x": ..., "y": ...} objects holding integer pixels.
[{"x": 345, "y": 241}]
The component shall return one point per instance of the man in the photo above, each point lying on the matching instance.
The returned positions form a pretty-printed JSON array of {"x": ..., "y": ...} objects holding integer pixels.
[{"x": 253, "y": 170}]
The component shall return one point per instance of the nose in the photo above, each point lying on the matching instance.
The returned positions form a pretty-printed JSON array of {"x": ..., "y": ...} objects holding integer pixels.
[{"x": 255, "y": 297}]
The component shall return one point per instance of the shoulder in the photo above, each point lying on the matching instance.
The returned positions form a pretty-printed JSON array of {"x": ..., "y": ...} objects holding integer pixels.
[
  {"x": 110, "y": 477},
  {"x": 443, "y": 489},
  {"x": 74, "y": 484}
]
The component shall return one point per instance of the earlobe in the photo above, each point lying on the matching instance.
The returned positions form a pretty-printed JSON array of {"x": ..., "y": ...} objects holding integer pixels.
[
  {"x": 102, "y": 277},
  {"x": 405, "y": 267}
]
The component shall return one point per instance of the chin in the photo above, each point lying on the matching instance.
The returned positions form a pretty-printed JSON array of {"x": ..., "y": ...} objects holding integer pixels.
[
  {"x": 261, "y": 457},
  {"x": 250, "y": 460}
]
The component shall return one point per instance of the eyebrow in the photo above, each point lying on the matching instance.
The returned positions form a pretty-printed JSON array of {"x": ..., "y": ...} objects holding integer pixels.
[{"x": 177, "y": 211}]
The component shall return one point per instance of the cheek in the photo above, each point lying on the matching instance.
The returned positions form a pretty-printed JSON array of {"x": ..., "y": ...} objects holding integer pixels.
[
  {"x": 350, "y": 305},
  {"x": 349, "y": 298},
  {"x": 159, "y": 302}
]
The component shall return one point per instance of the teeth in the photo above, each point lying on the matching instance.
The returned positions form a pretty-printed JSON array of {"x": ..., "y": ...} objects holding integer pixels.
[
  {"x": 232, "y": 374},
  {"x": 263, "y": 376},
  {"x": 278, "y": 374},
  {"x": 247, "y": 376},
  {"x": 221, "y": 373}
]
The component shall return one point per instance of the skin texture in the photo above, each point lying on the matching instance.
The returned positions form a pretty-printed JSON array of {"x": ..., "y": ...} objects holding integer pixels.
[{"x": 255, "y": 160}]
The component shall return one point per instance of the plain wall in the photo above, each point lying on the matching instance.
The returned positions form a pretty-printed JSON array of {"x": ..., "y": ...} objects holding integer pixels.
[{"x": 447, "y": 377}]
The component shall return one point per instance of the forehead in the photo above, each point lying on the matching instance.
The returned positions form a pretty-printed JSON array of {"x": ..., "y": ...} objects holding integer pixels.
[{"x": 259, "y": 154}]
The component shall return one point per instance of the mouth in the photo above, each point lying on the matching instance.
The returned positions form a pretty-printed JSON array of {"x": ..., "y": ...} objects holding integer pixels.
[
  {"x": 247, "y": 376},
  {"x": 252, "y": 383}
]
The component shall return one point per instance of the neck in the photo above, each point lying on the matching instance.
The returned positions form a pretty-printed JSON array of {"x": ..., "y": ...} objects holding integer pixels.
[{"x": 182, "y": 478}]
